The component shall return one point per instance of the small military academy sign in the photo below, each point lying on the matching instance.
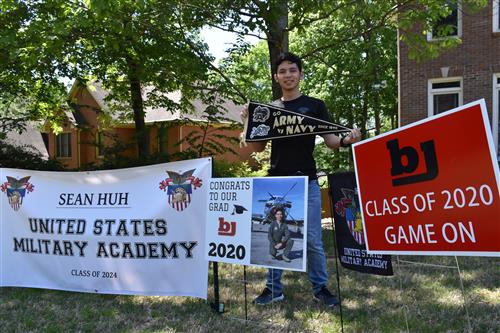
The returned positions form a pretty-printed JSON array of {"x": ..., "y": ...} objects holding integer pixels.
[
  {"x": 267, "y": 122},
  {"x": 432, "y": 187},
  {"x": 16, "y": 190},
  {"x": 179, "y": 188}
]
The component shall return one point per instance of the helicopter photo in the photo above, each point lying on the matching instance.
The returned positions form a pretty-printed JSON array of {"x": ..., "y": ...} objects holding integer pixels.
[{"x": 277, "y": 201}]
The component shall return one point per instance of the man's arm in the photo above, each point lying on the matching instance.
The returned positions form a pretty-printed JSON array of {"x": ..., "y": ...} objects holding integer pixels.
[{"x": 332, "y": 141}]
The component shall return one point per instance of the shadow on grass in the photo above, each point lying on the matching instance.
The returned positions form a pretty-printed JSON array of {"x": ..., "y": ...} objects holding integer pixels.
[
  {"x": 418, "y": 298},
  {"x": 37, "y": 310}
]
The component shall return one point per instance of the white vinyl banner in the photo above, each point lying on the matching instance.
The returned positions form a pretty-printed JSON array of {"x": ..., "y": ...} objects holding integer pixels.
[
  {"x": 258, "y": 222},
  {"x": 128, "y": 231}
]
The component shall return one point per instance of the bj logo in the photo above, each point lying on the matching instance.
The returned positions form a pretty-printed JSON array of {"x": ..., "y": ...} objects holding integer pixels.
[
  {"x": 405, "y": 160},
  {"x": 226, "y": 228}
]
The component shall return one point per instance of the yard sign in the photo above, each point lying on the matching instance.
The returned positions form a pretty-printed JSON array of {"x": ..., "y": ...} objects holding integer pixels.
[{"x": 432, "y": 187}]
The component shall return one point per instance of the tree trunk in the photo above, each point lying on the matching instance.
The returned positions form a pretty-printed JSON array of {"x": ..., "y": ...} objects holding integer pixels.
[
  {"x": 394, "y": 118},
  {"x": 364, "y": 112},
  {"x": 277, "y": 38},
  {"x": 138, "y": 107},
  {"x": 376, "y": 109}
]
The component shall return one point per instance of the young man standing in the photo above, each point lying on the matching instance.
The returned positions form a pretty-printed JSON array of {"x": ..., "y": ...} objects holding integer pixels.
[{"x": 293, "y": 156}]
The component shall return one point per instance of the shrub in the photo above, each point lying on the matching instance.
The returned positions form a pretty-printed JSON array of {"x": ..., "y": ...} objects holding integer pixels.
[
  {"x": 236, "y": 169},
  {"x": 25, "y": 157}
]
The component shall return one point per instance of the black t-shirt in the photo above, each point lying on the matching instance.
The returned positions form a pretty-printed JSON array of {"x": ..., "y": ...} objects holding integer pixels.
[{"x": 293, "y": 156}]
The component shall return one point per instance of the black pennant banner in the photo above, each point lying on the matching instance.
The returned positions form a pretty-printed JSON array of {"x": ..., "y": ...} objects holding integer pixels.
[
  {"x": 267, "y": 122},
  {"x": 351, "y": 243}
]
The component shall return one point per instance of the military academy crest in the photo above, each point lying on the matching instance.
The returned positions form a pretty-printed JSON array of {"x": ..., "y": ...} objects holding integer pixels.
[
  {"x": 179, "y": 188},
  {"x": 16, "y": 189},
  {"x": 348, "y": 207}
]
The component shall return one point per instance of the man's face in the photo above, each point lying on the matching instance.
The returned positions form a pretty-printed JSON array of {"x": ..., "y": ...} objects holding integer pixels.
[
  {"x": 279, "y": 215},
  {"x": 288, "y": 75}
]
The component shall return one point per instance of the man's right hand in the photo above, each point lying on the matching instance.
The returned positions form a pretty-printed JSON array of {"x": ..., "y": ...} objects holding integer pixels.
[{"x": 255, "y": 146}]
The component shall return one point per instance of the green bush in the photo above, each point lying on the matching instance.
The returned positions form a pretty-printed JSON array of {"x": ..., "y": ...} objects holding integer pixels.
[
  {"x": 121, "y": 162},
  {"x": 236, "y": 169}
]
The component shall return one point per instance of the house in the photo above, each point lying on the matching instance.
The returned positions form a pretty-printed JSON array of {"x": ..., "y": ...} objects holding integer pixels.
[
  {"x": 465, "y": 73},
  {"x": 89, "y": 129},
  {"x": 29, "y": 139}
]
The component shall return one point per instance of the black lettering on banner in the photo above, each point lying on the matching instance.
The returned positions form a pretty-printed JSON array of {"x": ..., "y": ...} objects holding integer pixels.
[
  {"x": 211, "y": 252},
  {"x": 97, "y": 227},
  {"x": 161, "y": 227},
  {"x": 122, "y": 228},
  {"x": 19, "y": 245},
  {"x": 221, "y": 250},
  {"x": 169, "y": 251},
  {"x": 188, "y": 246},
  {"x": 127, "y": 250},
  {"x": 109, "y": 275},
  {"x": 101, "y": 251},
  {"x": 229, "y": 251},
  {"x": 148, "y": 228}
]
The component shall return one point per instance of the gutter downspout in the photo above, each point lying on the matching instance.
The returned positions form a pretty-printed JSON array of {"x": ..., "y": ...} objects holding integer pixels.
[{"x": 78, "y": 159}]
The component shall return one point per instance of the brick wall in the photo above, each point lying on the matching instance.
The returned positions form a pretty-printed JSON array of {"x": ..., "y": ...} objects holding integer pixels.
[{"x": 476, "y": 60}]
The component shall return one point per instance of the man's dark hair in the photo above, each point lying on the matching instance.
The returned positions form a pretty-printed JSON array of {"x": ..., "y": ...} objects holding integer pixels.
[
  {"x": 276, "y": 209},
  {"x": 288, "y": 56}
]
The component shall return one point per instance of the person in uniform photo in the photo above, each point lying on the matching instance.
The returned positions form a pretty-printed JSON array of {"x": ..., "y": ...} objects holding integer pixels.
[{"x": 279, "y": 236}]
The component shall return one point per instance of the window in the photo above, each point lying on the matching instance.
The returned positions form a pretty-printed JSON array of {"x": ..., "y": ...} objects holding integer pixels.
[
  {"x": 99, "y": 148},
  {"x": 162, "y": 140},
  {"x": 496, "y": 15},
  {"x": 449, "y": 26},
  {"x": 63, "y": 145},
  {"x": 495, "y": 123},
  {"x": 444, "y": 95}
]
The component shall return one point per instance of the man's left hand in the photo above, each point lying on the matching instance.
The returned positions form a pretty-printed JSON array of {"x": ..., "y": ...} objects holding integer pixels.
[{"x": 353, "y": 136}]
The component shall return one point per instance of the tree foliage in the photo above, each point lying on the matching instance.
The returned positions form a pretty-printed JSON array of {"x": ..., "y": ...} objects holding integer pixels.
[
  {"x": 142, "y": 50},
  {"x": 131, "y": 47},
  {"x": 350, "y": 54},
  {"x": 358, "y": 80},
  {"x": 249, "y": 70}
]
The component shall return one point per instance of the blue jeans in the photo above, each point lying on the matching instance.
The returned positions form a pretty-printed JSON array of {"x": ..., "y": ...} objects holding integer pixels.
[{"x": 316, "y": 260}]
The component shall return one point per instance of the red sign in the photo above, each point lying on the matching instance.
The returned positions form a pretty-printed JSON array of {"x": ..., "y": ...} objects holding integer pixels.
[{"x": 432, "y": 187}]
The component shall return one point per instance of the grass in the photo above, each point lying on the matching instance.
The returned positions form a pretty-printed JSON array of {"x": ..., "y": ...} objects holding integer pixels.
[{"x": 417, "y": 298}]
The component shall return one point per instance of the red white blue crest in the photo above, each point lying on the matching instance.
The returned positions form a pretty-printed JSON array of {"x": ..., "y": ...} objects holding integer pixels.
[
  {"x": 16, "y": 190},
  {"x": 348, "y": 206},
  {"x": 179, "y": 187}
]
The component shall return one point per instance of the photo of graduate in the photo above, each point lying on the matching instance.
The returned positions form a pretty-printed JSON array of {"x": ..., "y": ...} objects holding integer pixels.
[{"x": 278, "y": 223}]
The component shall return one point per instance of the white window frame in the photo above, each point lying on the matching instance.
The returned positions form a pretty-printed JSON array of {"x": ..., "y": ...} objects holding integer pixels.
[
  {"x": 443, "y": 91},
  {"x": 58, "y": 144},
  {"x": 496, "y": 15},
  {"x": 459, "y": 26},
  {"x": 496, "y": 106}
]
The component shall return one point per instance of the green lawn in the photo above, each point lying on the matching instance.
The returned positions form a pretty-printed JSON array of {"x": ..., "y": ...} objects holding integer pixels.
[{"x": 429, "y": 297}]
